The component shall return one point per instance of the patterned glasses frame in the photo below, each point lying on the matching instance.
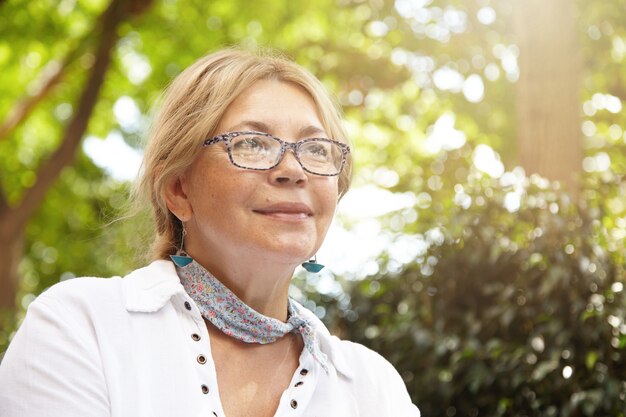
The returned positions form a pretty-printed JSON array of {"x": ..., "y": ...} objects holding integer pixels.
[{"x": 294, "y": 146}]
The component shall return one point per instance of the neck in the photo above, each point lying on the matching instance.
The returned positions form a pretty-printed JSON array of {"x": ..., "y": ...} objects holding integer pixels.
[{"x": 261, "y": 286}]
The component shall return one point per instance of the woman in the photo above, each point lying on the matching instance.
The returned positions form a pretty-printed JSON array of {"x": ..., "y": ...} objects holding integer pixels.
[{"x": 244, "y": 167}]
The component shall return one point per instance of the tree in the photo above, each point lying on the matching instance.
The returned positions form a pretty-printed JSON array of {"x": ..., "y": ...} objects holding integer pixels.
[
  {"x": 549, "y": 90},
  {"x": 14, "y": 217},
  {"x": 499, "y": 314}
]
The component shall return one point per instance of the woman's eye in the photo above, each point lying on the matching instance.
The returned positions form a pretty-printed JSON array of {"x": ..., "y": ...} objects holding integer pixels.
[
  {"x": 249, "y": 145},
  {"x": 317, "y": 150}
]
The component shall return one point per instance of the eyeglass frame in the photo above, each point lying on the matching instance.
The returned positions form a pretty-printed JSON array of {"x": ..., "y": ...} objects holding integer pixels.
[{"x": 284, "y": 145}]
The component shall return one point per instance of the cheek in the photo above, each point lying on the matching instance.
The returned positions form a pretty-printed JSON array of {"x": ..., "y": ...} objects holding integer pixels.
[
  {"x": 210, "y": 179},
  {"x": 329, "y": 196}
]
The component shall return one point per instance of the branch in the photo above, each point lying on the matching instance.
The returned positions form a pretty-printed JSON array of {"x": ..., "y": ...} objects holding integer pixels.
[
  {"x": 64, "y": 155},
  {"x": 50, "y": 76},
  {"x": 4, "y": 203}
]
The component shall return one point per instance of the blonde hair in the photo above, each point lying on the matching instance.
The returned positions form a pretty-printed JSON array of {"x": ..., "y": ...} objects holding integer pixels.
[{"x": 192, "y": 107}]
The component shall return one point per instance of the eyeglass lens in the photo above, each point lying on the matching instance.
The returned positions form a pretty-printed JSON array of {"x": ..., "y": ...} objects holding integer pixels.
[{"x": 263, "y": 152}]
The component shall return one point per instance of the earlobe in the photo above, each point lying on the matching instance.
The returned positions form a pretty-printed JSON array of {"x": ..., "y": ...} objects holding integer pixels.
[{"x": 176, "y": 199}]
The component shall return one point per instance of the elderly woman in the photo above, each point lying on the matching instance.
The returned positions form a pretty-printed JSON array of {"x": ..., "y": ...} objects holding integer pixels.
[{"x": 244, "y": 167}]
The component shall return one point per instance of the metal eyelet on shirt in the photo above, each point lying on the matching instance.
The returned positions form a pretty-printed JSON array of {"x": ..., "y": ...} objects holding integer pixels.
[
  {"x": 304, "y": 372},
  {"x": 205, "y": 389},
  {"x": 187, "y": 305},
  {"x": 294, "y": 404},
  {"x": 195, "y": 336},
  {"x": 299, "y": 383},
  {"x": 201, "y": 359}
]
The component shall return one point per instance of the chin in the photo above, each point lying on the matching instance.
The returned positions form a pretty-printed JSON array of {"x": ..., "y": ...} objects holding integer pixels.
[{"x": 293, "y": 253}]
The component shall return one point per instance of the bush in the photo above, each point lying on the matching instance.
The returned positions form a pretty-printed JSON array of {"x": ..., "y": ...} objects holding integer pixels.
[{"x": 516, "y": 312}]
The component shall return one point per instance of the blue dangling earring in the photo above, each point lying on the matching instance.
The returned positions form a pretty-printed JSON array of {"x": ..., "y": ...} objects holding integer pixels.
[
  {"x": 312, "y": 265},
  {"x": 181, "y": 258}
]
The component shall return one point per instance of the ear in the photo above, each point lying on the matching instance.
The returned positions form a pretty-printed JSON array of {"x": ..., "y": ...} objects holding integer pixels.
[{"x": 176, "y": 198}]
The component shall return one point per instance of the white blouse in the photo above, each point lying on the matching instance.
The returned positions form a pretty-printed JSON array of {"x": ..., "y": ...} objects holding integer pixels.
[{"x": 138, "y": 346}]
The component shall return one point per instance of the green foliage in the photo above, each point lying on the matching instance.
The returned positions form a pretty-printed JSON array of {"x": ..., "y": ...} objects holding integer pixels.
[
  {"x": 73, "y": 234},
  {"x": 506, "y": 312}
]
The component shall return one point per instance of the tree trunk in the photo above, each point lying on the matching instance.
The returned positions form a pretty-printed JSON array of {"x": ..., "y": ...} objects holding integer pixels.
[
  {"x": 11, "y": 251},
  {"x": 548, "y": 91},
  {"x": 13, "y": 219}
]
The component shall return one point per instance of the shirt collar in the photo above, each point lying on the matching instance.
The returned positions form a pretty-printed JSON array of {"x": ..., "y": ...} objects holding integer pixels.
[{"x": 148, "y": 289}]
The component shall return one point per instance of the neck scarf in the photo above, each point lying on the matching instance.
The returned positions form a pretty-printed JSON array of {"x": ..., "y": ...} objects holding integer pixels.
[{"x": 227, "y": 312}]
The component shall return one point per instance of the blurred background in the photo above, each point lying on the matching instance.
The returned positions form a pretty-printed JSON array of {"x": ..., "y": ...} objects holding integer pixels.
[{"x": 482, "y": 247}]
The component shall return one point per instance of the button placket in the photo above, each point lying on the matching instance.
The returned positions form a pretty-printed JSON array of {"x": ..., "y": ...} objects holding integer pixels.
[
  {"x": 294, "y": 403},
  {"x": 201, "y": 357},
  {"x": 302, "y": 387}
]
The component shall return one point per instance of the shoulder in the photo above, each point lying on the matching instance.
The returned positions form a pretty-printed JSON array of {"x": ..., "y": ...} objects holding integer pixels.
[
  {"x": 81, "y": 286},
  {"x": 145, "y": 289},
  {"x": 77, "y": 307},
  {"x": 84, "y": 292},
  {"x": 93, "y": 309},
  {"x": 374, "y": 381},
  {"x": 377, "y": 383},
  {"x": 59, "y": 345},
  {"x": 365, "y": 362}
]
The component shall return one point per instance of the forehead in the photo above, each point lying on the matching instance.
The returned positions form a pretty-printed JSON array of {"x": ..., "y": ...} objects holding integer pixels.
[{"x": 277, "y": 107}]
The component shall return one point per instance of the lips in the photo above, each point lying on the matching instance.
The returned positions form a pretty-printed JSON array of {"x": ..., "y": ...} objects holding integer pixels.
[{"x": 288, "y": 211}]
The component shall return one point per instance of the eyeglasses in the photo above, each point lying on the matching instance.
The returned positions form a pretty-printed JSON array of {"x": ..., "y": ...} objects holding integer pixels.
[{"x": 262, "y": 151}]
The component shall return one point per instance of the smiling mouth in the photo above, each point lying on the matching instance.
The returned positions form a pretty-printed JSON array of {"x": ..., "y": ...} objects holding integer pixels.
[
  {"x": 286, "y": 211},
  {"x": 284, "y": 215}
]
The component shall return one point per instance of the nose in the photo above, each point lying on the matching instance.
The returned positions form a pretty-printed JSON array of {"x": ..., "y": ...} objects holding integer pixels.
[{"x": 288, "y": 170}]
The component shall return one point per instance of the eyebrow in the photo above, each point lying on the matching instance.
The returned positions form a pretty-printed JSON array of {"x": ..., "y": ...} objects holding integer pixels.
[{"x": 308, "y": 130}]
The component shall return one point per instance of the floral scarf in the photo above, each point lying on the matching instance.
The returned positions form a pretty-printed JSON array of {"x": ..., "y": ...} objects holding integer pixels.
[{"x": 227, "y": 312}]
